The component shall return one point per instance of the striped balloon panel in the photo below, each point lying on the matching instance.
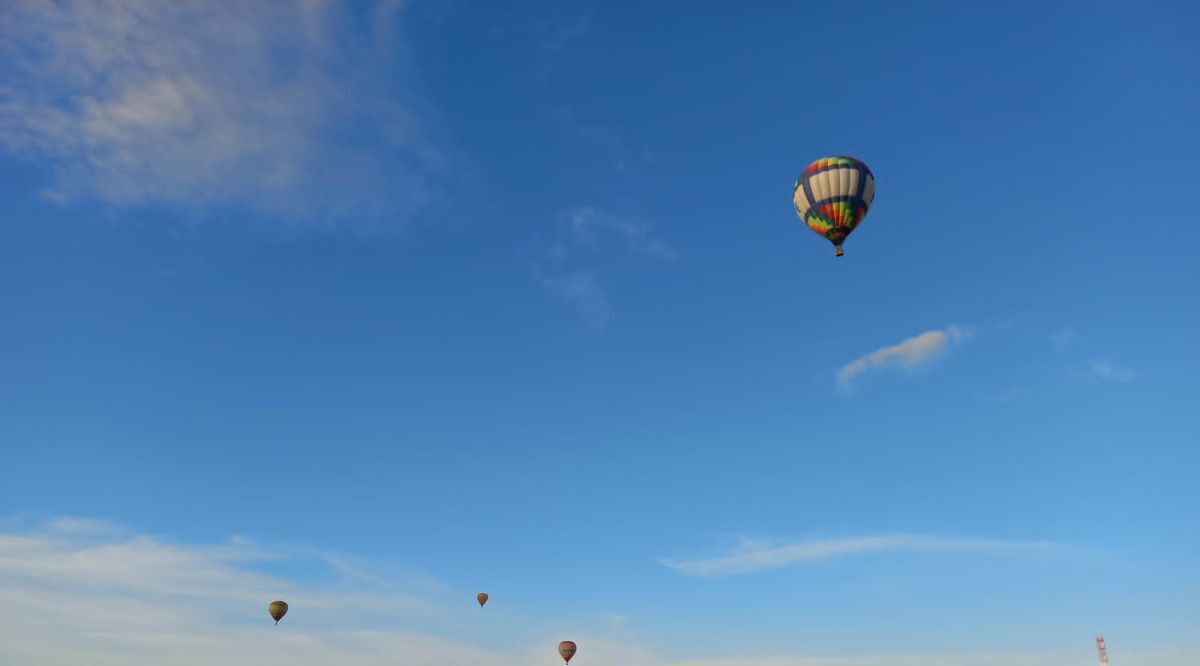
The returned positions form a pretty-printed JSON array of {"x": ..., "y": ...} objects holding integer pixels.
[{"x": 833, "y": 195}]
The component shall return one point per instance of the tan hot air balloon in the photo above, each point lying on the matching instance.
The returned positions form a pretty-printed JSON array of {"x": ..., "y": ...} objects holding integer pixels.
[
  {"x": 277, "y": 609},
  {"x": 566, "y": 650},
  {"x": 482, "y": 598}
]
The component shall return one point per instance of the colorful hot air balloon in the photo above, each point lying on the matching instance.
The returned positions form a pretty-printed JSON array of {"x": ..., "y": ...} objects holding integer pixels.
[
  {"x": 832, "y": 197},
  {"x": 482, "y": 598},
  {"x": 277, "y": 609},
  {"x": 566, "y": 650}
]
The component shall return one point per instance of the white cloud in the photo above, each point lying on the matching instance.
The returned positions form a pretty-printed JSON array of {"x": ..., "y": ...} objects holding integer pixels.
[
  {"x": 1010, "y": 659},
  {"x": 278, "y": 106},
  {"x": 616, "y": 619},
  {"x": 908, "y": 354},
  {"x": 610, "y": 139},
  {"x": 69, "y": 599},
  {"x": 588, "y": 227},
  {"x": 558, "y": 35},
  {"x": 82, "y": 526},
  {"x": 582, "y": 234},
  {"x": 1106, "y": 370},
  {"x": 756, "y": 555},
  {"x": 1062, "y": 338},
  {"x": 580, "y": 289}
]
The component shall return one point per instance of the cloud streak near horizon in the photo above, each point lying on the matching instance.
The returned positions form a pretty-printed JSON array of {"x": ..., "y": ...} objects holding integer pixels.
[
  {"x": 78, "y": 590},
  {"x": 908, "y": 354},
  {"x": 754, "y": 555}
]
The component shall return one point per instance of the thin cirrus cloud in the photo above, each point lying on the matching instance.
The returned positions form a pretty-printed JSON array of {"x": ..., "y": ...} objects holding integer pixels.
[
  {"x": 83, "y": 591},
  {"x": 754, "y": 555},
  {"x": 588, "y": 227},
  {"x": 582, "y": 292},
  {"x": 282, "y": 108},
  {"x": 582, "y": 234},
  {"x": 1107, "y": 371},
  {"x": 1062, "y": 337},
  {"x": 908, "y": 354}
]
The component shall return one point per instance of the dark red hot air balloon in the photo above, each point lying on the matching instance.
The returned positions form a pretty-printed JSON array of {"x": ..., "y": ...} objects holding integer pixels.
[{"x": 566, "y": 650}]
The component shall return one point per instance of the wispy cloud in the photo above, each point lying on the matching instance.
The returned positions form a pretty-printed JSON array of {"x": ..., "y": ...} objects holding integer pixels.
[
  {"x": 616, "y": 619},
  {"x": 1107, "y": 371},
  {"x": 554, "y": 35},
  {"x": 580, "y": 290},
  {"x": 581, "y": 235},
  {"x": 756, "y": 555},
  {"x": 281, "y": 107},
  {"x": 69, "y": 596},
  {"x": 1163, "y": 658},
  {"x": 140, "y": 566},
  {"x": 591, "y": 228},
  {"x": 1062, "y": 338},
  {"x": 82, "y": 526},
  {"x": 909, "y": 354},
  {"x": 610, "y": 139}
]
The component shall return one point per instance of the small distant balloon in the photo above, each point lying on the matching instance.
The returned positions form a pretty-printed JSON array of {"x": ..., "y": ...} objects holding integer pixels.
[
  {"x": 566, "y": 650},
  {"x": 277, "y": 609},
  {"x": 482, "y": 598}
]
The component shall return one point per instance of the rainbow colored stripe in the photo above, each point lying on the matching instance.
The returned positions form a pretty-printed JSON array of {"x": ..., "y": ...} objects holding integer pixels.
[{"x": 836, "y": 160}]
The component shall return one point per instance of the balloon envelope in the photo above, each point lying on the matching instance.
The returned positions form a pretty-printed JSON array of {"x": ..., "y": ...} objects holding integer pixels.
[
  {"x": 482, "y": 598},
  {"x": 566, "y": 650},
  {"x": 833, "y": 195},
  {"x": 277, "y": 609}
]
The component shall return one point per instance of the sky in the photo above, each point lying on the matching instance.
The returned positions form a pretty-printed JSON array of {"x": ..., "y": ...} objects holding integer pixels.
[{"x": 373, "y": 306}]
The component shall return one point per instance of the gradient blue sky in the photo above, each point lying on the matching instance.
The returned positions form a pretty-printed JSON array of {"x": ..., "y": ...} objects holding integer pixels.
[{"x": 511, "y": 296}]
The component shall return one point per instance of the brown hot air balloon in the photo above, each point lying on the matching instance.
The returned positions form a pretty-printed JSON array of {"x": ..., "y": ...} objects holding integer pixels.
[
  {"x": 277, "y": 609},
  {"x": 566, "y": 650},
  {"x": 482, "y": 598}
]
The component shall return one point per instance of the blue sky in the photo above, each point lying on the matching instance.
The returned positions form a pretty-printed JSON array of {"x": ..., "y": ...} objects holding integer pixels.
[{"x": 378, "y": 305}]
